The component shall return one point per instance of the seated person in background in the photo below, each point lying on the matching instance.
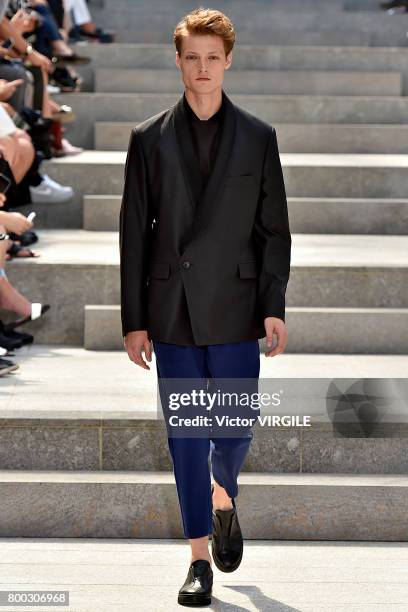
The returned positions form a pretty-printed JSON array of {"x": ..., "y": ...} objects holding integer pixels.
[
  {"x": 49, "y": 130},
  {"x": 38, "y": 21},
  {"x": 10, "y": 298},
  {"x": 48, "y": 40},
  {"x": 78, "y": 22},
  {"x": 395, "y": 4},
  {"x": 15, "y": 72},
  {"x": 20, "y": 165}
]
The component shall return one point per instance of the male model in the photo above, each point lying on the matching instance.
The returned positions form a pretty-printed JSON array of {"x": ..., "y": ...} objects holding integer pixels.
[{"x": 205, "y": 259}]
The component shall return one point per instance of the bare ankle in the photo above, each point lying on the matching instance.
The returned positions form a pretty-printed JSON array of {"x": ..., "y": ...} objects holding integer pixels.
[
  {"x": 199, "y": 549},
  {"x": 205, "y": 555},
  {"x": 221, "y": 499}
]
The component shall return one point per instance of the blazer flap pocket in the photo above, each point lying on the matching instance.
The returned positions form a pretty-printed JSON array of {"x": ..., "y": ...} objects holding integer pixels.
[
  {"x": 159, "y": 269},
  {"x": 248, "y": 269}
]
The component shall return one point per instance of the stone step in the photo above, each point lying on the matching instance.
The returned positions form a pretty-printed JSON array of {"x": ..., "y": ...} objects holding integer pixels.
[
  {"x": 312, "y": 5},
  {"x": 320, "y": 330},
  {"x": 262, "y": 26},
  {"x": 79, "y": 267},
  {"x": 305, "y": 19},
  {"x": 310, "y": 175},
  {"x": 133, "y": 394},
  {"x": 132, "y": 439},
  {"x": 287, "y": 37},
  {"x": 275, "y": 82},
  {"x": 291, "y": 55},
  {"x": 300, "y": 16},
  {"x": 293, "y": 137},
  {"x": 252, "y": 57},
  {"x": 144, "y": 505},
  {"x": 119, "y": 428},
  {"x": 348, "y": 215},
  {"x": 307, "y": 215},
  {"x": 347, "y": 330},
  {"x": 359, "y": 5},
  {"x": 92, "y": 107},
  {"x": 101, "y": 212}
]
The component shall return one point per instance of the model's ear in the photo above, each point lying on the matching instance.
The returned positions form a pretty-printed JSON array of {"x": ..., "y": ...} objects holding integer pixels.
[
  {"x": 177, "y": 59},
  {"x": 228, "y": 61}
]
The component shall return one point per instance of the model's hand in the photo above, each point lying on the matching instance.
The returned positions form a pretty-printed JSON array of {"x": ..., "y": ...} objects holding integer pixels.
[
  {"x": 136, "y": 342},
  {"x": 273, "y": 325}
]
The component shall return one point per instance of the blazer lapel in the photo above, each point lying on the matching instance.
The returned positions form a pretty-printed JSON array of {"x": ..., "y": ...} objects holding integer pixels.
[{"x": 185, "y": 150}]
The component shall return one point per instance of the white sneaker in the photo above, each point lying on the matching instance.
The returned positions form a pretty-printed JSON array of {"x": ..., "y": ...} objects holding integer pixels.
[
  {"x": 53, "y": 89},
  {"x": 48, "y": 191}
]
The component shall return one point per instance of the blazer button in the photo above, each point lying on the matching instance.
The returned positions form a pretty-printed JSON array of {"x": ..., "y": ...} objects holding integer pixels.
[{"x": 186, "y": 264}]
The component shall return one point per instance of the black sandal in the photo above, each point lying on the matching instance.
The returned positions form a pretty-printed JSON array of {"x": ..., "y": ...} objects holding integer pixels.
[
  {"x": 15, "y": 249},
  {"x": 78, "y": 60},
  {"x": 37, "y": 311},
  {"x": 20, "y": 336},
  {"x": 26, "y": 238}
]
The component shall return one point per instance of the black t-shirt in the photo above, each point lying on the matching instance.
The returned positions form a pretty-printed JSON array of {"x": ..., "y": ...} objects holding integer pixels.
[{"x": 206, "y": 136}]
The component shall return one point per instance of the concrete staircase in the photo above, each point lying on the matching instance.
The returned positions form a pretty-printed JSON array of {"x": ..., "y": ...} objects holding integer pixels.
[
  {"x": 332, "y": 80},
  {"x": 83, "y": 454},
  {"x": 278, "y": 22}
]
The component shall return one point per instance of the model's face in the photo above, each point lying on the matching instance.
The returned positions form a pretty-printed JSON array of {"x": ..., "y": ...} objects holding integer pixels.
[{"x": 203, "y": 62}]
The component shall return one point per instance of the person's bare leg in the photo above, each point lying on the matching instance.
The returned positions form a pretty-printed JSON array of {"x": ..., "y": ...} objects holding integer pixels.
[
  {"x": 25, "y": 155},
  {"x": 20, "y": 155},
  {"x": 61, "y": 48},
  {"x": 46, "y": 109},
  {"x": 54, "y": 106},
  {"x": 199, "y": 549},
  {"x": 89, "y": 27},
  {"x": 220, "y": 498},
  {"x": 10, "y": 298}
]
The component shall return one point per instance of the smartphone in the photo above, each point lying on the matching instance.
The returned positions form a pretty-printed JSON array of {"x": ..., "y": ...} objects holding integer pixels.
[
  {"x": 4, "y": 183},
  {"x": 9, "y": 42}
]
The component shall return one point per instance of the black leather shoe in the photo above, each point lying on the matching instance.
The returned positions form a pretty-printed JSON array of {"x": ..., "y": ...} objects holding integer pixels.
[
  {"x": 227, "y": 545},
  {"x": 197, "y": 589}
]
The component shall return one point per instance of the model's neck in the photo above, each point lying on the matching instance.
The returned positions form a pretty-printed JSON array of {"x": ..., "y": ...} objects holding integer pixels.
[{"x": 204, "y": 106}]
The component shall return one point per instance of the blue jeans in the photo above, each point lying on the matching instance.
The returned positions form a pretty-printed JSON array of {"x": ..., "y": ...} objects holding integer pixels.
[
  {"x": 190, "y": 455},
  {"x": 47, "y": 32}
]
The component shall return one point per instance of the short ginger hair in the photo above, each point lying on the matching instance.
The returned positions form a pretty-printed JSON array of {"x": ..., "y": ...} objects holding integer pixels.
[{"x": 205, "y": 21}]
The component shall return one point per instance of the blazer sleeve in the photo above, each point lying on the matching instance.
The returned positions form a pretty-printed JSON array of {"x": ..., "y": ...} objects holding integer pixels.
[
  {"x": 134, "y": 238},
  {"x": 272, "y": 235}
]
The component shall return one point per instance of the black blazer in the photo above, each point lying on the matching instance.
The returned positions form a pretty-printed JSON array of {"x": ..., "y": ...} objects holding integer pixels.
[{"x": 203, "y": 270}]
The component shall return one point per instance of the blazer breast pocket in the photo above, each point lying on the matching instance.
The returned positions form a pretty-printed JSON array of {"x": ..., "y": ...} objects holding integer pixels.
[
  {"x": 241, "y": 183},
  {"x": 237, "y": 178}
]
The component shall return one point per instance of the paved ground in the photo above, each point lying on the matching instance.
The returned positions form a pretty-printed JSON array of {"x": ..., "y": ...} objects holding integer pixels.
[{"x": 145, "y": 575}]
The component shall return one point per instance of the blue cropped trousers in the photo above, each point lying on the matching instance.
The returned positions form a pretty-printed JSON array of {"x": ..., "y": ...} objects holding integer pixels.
[{"x": 193, "y": 458}]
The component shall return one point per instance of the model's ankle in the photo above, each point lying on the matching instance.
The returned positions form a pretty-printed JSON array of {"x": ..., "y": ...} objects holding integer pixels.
[
  {"x": 220, "y": 500},
  {"x": 205, "y": 557}
]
